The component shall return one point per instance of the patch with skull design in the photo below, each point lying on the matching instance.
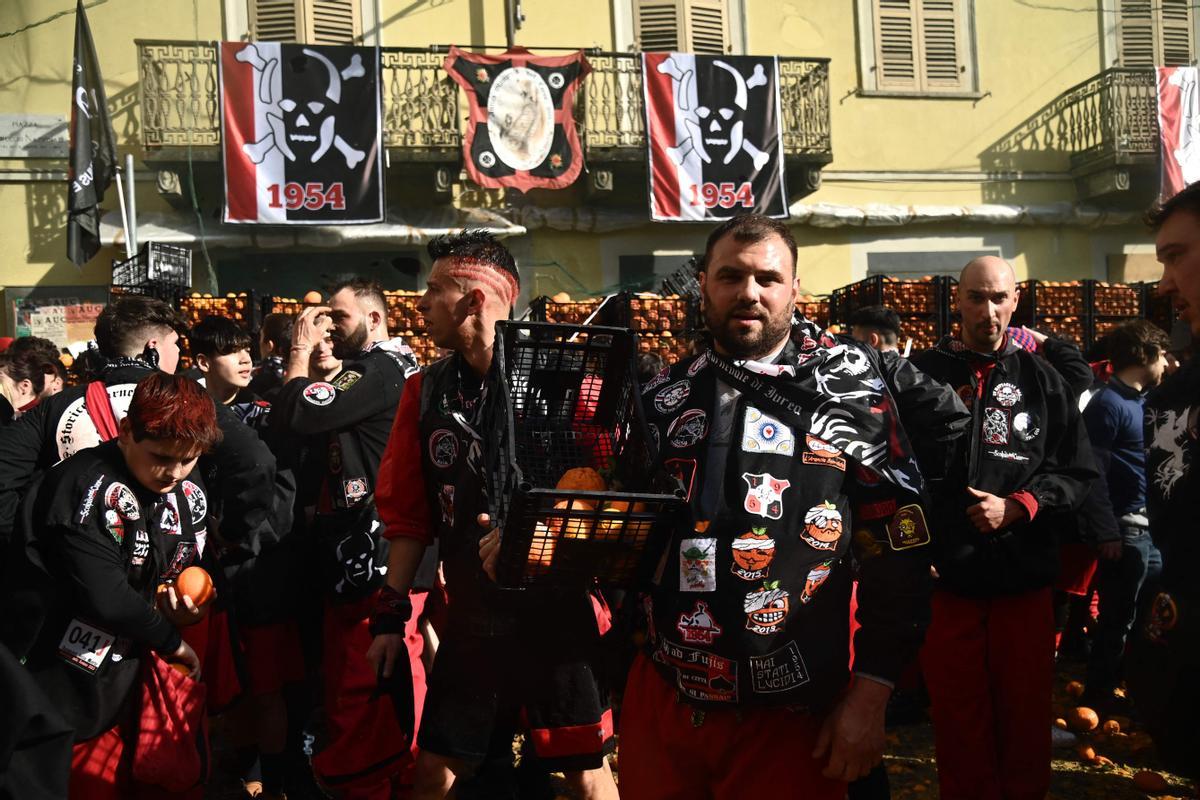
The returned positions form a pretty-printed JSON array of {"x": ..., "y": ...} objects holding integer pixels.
[
  {"x": 822, "y": 527},
  {"x": 301, "y": 133},
  {"x": 720, "y": 155},
  {"x": 766, "y": 608}
]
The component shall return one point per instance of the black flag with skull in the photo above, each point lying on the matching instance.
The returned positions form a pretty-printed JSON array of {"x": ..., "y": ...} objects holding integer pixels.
[{"x": 302, "y": 131}]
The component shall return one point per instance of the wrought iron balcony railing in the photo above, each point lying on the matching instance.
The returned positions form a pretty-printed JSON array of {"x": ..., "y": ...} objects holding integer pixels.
[
  {"x": 1110, "y": 119},
  {"x": 423, "y": 112}
]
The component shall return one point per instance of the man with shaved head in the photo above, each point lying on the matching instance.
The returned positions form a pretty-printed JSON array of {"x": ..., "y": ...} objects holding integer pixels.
[{"x": 989, "y": 651}]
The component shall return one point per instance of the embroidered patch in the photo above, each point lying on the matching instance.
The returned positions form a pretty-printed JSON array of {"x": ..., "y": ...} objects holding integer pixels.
[
  {"x": 764, "y": 496},
  {"x": 672, "y": 397},
  {"x": 822, "y": 453},
  {"x": 657, "y": 380},
  {"x": 778, "y": 671},
  {"x": 822, "y": 526},
  {"x": 698, "y": 627},
  {"x": 753, "y": 553},
  {"x": 89, "y": 498},
  {"x": 762, "y": 433},
  {"x": 698, "y": 565},
  {"x": 84, "y": 646},
  {"x": 319, "y": 393},
  {"x": 697, "y": 365},
  {"x": 995, "y": 426},
  {"x": 167, "y": 516},
  {"x": 114, "y": 525},
  {"x": 197, "y": 502},
  {"x": 816, "y": 576},
  {"x": 141, "y": 547},
  {"x": 1025, "y": 426},
  {"x": 1006, "y": 394},
  {"x": 335, "y": 457},
  {"x": 346, "y": 380},
  {"x": 766, "y": 608},
  {"x": 443, "y": 448},
  {"x": 907, "y": 528},
  {"x": 119, "y": 497},
  {"x": 354, "y": 489},
  {"x": 446, "y": 501},
  {"x": 180, "y": 560},
  {"x": 700, "y": 675},
  {"x": 685, "y": 470},
  {"x": 688, "y": 428},
  {"x": 1006, "y": 455},
  {"x": 1164, "y": 616}
]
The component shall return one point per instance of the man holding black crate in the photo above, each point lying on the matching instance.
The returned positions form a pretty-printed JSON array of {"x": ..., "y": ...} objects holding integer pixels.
[
  {"x": 801, "y": 476},
  {"x": 503, "y": 655}
]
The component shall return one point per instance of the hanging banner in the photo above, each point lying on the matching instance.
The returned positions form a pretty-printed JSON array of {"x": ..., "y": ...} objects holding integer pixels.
[
  {"x": 712, "y": 126},
  {"x": 1178, "y": 128},
  {"x": 301, "y": 138},
  {"x": 92, "y": 164},
  {"x": 521, "y": 129}
]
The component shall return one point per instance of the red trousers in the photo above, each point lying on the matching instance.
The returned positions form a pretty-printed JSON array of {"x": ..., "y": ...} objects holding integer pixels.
[
  {"x": 367, "y": 757},
  {"x": 102, "y": 769},
  {"x": 732, "y": 755},
  {"x": 989, "y": 667}
]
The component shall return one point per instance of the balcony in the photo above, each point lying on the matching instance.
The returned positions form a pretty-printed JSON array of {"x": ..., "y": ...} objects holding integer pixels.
[
  {"x": 1103, "y": 132},
  {"x": 423, "y": 112}
]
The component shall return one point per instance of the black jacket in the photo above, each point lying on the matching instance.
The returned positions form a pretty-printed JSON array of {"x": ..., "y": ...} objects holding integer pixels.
[
  {"x": 56, "y": 428},
  {"x": 92, "y": 545},
  {"x": 1026, "y": 435}
]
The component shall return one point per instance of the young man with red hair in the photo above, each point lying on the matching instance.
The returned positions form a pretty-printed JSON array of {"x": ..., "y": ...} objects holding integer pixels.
[{"x": 96, "y": 538}]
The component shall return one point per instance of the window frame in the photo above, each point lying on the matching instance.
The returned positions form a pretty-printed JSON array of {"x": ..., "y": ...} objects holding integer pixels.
[
  {"x": 235, "y": 23},
  {"x": 624, "y": 40},
  {"x": 1110, "y": 12},
  {"x": 868, "y": 83}
]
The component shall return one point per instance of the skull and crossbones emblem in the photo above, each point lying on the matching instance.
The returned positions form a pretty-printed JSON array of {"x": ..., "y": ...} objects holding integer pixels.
[
  {"x": 722, "y": 126},
  {"x": 307, "y": 124}
]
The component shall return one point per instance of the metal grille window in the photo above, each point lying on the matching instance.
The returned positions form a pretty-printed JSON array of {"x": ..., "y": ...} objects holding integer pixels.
[
  {"x": 694, "y": 26},
  {"x": 1154, "y": 33},
  {"x": 306, "y": 21},
  {"x": 922, "y": 46}
]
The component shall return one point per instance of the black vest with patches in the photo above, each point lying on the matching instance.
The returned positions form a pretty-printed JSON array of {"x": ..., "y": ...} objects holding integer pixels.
[{"x": 750, "y": 605}]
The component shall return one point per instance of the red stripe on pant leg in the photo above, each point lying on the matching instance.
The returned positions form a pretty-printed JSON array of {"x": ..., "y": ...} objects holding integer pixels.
[
  {"x": 664, "y": 180},
  {"x": 573, "y": 740},
  {"x": 237, "y": 80},
  {"x": 954, "y": 659}
]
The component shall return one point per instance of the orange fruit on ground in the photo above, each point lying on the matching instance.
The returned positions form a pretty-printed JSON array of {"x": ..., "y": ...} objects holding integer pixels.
[
  {"x": 1111, "y": 726},
  {"x": 1082, "y": 719},
  {"x": 1087, "y": 753},
  {"x": 1150, "y": 781},
  {"x": 1060, "y": 723},
  {"x": 1074, "y": 688},
  {"x": 196, "y": 584}
]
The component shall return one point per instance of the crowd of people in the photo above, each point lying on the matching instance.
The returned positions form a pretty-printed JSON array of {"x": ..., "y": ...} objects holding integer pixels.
[{"x": 860, "y": 523}]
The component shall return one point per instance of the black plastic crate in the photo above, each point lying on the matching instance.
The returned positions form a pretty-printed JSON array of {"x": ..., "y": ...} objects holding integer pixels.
[
  {"x": 563, "y": 397},
  {"x": 683, "y": 281}
]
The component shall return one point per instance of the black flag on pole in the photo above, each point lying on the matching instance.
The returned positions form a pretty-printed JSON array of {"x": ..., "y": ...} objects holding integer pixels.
[{"x": 93, "y": 160}]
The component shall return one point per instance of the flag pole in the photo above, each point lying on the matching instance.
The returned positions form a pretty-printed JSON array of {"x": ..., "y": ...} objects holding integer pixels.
[
  {"x": 131, "y": 232},
  {"x": 124, "y": 216}
]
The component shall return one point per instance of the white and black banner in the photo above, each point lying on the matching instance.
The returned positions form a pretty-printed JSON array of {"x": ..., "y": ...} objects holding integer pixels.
[
  {"x": 300, "y": 134},
  {"x": 715, "y": 146}
]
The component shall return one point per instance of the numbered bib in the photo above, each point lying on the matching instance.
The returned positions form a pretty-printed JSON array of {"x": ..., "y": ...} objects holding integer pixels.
[{"x": 84, "y": 646}]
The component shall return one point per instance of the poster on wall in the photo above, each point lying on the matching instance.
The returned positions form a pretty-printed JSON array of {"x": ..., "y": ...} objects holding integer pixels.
[
  {"x": 301, "y": 140},
  {"x": 65, "y": 315},
  {"x": 521, "y": 127},
  {"x": 715, "y": 147}
]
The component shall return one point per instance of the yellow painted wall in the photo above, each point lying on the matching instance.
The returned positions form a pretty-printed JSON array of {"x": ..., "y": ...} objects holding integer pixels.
[{"x": 1027, "y": 55}]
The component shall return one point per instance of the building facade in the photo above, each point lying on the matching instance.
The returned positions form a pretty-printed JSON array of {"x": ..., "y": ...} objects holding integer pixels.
[{"x": 917, "y": 134}]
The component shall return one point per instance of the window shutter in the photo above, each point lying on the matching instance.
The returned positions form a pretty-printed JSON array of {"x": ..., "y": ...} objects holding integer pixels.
[
  {"x": 307, "y": 21},
  {"x": 275, "y": 20},
  {"x": 940, "y": 25},
  {"x": 658, "y": 25},
  {"x": 1176, "y": 33},
  {"x": 333, "y": 21},
  {"x": 708, "y": 28},
  {"x": 895, "y": 45},
  {"x": 1136, "y": 33}
]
